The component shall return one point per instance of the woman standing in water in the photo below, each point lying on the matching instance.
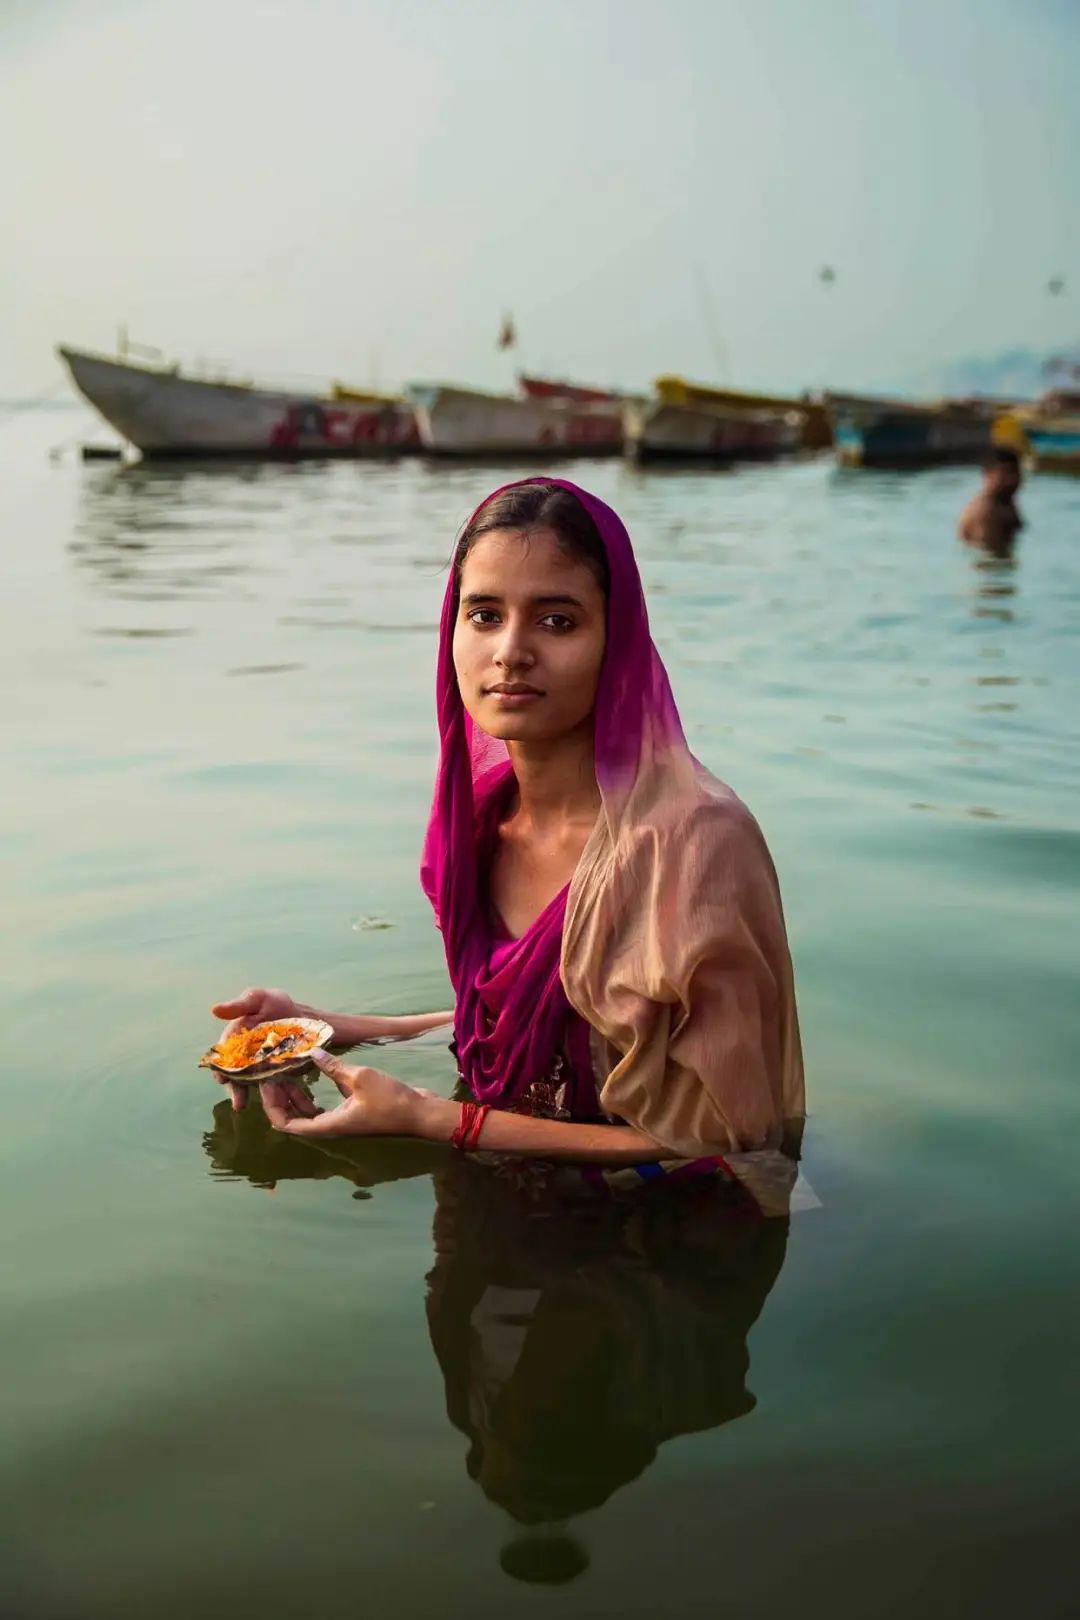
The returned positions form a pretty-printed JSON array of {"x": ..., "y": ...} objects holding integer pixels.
[{"x": 609, "y": 911}]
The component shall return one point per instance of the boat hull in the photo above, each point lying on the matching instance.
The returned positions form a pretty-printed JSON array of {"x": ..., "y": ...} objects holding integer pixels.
[
  {"x": 463, "y": 422},
  {"x": 870, "y": 434},
  {"x": 1055, "y": 445},
  {"x": 662, "y": 432},
  {"x": 815, "y": 428},
  {"x": 168, "y": 416}
]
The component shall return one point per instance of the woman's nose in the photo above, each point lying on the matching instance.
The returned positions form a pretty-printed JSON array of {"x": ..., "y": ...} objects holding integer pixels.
[{"x": 513, "y": 650}]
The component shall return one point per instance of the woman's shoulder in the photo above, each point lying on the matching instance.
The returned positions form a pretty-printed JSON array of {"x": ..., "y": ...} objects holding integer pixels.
[{"x": 705, "y": 814}]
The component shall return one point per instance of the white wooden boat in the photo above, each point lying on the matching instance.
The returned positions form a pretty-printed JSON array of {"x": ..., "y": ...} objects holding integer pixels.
[
  {"x": 468, "y": 422},
  {"x": 661, "y": 431},
  {"x": 167, "y": 414}
]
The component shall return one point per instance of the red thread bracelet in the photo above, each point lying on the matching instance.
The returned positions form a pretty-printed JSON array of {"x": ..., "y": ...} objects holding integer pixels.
[
  {"x": 472, "y": 1141},
  {"x": 467, "y": 1134},
  {"x": 458, "y": 1139}
]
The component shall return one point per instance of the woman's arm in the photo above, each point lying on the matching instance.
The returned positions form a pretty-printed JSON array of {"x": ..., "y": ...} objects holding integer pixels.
[
  {"x": 353, "y": 1029},
  {"x": 376, "y": 1104},
  {"x": 437, "y": 1119},
  {"x": 255, "y": 1006}
]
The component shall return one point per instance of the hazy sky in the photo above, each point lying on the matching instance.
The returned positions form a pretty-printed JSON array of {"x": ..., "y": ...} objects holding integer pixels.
[{"x": 358, "y": 187}]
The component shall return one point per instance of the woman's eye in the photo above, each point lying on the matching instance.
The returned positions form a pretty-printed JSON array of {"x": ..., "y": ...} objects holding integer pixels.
[
  {"x": 483, "y": 616},
  {"x": 558, "y": 621}
]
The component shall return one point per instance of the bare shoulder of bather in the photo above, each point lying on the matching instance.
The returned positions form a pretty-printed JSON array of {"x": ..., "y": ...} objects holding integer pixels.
[{"x": 976, "y": 520}]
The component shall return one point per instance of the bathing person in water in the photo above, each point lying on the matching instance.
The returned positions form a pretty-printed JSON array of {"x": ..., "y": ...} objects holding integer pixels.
[
  {"x": 609, "y": 910},
  {"x": 990, "y": 520}
]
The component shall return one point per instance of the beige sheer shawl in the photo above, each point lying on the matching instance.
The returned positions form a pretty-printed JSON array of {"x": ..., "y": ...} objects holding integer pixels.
[{"x": 675, "y": 951}]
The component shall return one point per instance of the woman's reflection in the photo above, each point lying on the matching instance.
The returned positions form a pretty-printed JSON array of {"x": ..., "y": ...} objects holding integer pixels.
[
  {"x": 574, "y": 1337},
  {"x": 573, "y": 1342}
]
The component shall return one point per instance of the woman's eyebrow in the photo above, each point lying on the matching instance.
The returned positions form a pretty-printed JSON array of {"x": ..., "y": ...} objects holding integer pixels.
[{"x": 561, "y": 599}]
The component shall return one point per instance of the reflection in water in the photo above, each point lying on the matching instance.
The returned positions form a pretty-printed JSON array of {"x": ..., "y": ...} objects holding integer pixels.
[
  {"x": 995, "y": 582},
  {"x": 574, "y": 1338},
  {"x": 158, "y": 532},
  {"x": 244, "y": 1147},
  {"x": 573, "y": 1343}
]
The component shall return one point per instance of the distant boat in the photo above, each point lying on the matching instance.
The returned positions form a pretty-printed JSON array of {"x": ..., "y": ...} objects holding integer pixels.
[
  {"x": 568, "y": 393},
  {"x": 1049, "y": 430},
  {"x": 686, "y": 422},
  {"x": 873, "y": 432},
  {"x": 815, "y": 426},
  {"x": 547, "y": 419},
  {"x": 166, "y": 414}
]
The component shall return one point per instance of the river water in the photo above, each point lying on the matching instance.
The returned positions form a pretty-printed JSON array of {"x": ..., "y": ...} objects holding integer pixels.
[{"x": 247, "y": 1376}]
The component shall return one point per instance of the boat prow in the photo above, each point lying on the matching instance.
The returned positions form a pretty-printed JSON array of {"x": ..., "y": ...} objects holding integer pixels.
[{"x": 166, "y": 414}]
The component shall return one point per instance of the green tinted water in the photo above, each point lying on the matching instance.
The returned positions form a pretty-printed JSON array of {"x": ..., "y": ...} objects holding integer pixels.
[{"x": 249, "y": 1377}]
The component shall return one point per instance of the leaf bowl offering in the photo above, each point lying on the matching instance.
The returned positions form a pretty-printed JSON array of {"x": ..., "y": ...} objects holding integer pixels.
[{"x": 282, "y": 1046}]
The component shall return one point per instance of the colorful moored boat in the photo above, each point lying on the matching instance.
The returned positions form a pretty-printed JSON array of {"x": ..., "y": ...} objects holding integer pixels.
[
  {"x": 683, "y": 427},
  {"x": 815, "y": 427},
  {"x": 1055, "y": 444},
  {"x": 1049, "y": 431},
  {"x": 873, "y": 432}
]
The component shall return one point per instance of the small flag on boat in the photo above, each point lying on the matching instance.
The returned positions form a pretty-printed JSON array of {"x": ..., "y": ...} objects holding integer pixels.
[{"x": 507, "y": 333}]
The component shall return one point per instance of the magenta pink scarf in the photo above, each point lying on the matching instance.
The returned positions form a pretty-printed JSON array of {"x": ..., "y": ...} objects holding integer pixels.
[{"x": 512, "y": 1013}]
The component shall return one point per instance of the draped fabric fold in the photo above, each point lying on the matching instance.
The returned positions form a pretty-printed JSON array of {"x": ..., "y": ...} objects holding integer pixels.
[{"x": 673, "y": 943}]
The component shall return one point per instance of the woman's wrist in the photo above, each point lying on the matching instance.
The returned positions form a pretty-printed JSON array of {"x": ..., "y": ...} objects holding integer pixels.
[{"x": 436, "y": 1118}]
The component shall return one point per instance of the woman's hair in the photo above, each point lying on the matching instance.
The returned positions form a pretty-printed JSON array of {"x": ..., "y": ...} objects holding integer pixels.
[{"x": 539, "y": 505}]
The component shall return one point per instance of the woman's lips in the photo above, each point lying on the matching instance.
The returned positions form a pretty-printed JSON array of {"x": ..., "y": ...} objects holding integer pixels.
[{"x": 515, "y": 700}]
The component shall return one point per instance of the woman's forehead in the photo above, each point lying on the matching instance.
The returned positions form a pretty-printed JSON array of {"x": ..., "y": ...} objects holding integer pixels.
[{"x": 524, "y": 562}]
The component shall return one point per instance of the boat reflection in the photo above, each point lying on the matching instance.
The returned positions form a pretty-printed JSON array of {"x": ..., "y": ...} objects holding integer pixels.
[{"x": 164, "y": 532}]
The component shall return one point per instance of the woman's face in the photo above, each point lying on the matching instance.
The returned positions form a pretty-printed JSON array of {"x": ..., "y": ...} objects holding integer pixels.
[{"x": 529, "y": 637}]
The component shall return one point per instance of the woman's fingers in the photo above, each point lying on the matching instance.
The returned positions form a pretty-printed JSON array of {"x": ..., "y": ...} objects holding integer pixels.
[
  {"x": 237, "y": 1012},
  {"x": 285, "y": 1101},
  {"x": 344, "y": 1075},
  {"x": 237, "y": 1091},
  {"x": 241, "y": 1007},
  {"x": 340, "y": 1121},
  {"x": 275, "y": 1101},
  {"x": 300, "y": 1099}
]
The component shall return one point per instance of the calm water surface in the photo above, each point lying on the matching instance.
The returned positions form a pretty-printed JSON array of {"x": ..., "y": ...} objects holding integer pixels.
[{"x": 245, "y": 1376}]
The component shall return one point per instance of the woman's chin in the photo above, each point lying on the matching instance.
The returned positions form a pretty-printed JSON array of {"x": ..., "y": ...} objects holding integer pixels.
[
  {"x": 510, "y": 727},
  {"x": 513, "y": 728}
]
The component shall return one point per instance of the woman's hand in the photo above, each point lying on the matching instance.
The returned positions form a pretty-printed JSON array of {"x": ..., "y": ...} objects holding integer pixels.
[
  {"x": 257, "y": 1006},
  {"x": 375, "y": 1104}
]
